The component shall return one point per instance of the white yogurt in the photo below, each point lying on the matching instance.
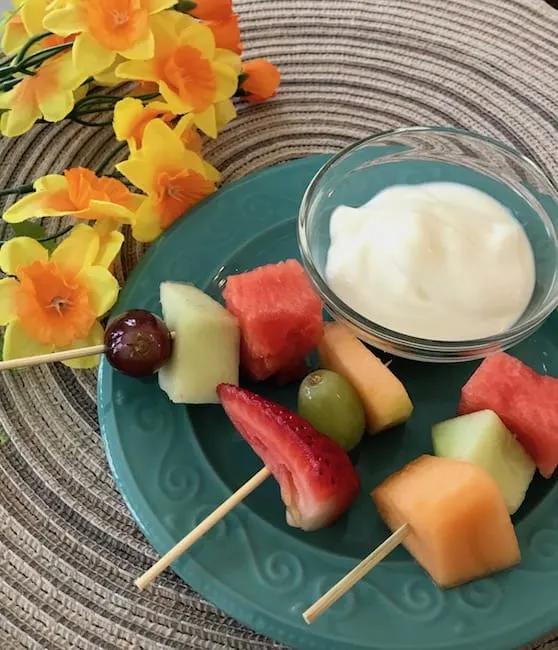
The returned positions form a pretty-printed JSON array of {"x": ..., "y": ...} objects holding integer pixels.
[{"x": 437, "y": 261}]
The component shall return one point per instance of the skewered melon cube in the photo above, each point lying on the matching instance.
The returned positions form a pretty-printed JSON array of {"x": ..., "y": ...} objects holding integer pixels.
[
  {"x": 384, "y": 397},
  {"x": 483, "y": 439},
  {"x": 205, "y": 351},
  {"x": 460, "y": 528}
]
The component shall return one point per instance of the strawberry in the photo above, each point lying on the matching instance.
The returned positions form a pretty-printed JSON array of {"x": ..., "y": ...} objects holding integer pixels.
[{"x": 317, "y": 479}]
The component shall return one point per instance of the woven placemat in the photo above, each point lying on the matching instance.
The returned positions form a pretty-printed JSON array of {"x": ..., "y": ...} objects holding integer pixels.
[{"x": 69, "y": 550}]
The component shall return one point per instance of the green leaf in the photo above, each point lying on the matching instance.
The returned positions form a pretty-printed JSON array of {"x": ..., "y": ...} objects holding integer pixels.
[
  {"x": 35, "y": 231},
  {"x": 185, "y": 6}
]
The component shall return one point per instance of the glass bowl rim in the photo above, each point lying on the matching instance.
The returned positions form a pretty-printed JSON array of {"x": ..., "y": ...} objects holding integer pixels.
[{"x": 337, "y": 306}]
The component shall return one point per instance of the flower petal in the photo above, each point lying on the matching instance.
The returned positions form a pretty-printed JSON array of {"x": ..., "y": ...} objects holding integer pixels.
[
  {"x": 18, "y": 343},
  {"x": 211, "y": 173},
  {"x": 107, "y": 210},
  {"x": 65, "y": 21},
  {"x": 161, "y": 145},
  {"x": 20, "y": 252},
  {"x": 126, "y": 111},
  {"x": 141, "y": 70},
  {"x": 28, "y": 207},
  {"x": 154, "y": 6},
  {"x": 8, "y": 289},
  {"x": 225, "y": 112},
  {"x": 6, "y": 99},
  {"x": 14, "y": 37},
  {"x": 32, "y": 14},
  {"x": 51, "y": 183},
  {"x": 55, "y": 107},
  {"x": 206, "y": 121},
  {"x": 228, "y": 58},
  {"x": 141, "y": 50},
  {"x": 78, "y": 250},
  {"x": 102, "y": 287},
  {"x": 227, "y": 81},
  {"x": 109, "y": 249},
  {"x": 19, "y": 121},
  {"x": 199, "y": 35},
  {"x": 137, "y": 172},
  {"x": 90, "y": 57},
  {"x": 147, "y": 226},
  {"x": 95, "y": 337}
]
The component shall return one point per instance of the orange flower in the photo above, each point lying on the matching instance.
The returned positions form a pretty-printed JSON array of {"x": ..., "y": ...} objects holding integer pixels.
[
  {"x": 52, "y": 306},
  {"x": 78, "y": 193},
  {"x": 173, "y": 177},
  {"x": 53, "y": 303},
  {"x": 106, "y": 29},
  {"x": 262, "y": 79},
  {"x": 211, "y": 9},
  {"x": 49, "y": 93},
  {"x": 193, "y": 76},
  {"x": 226, "y": 33},
  {"x": 131, "y": 117}
]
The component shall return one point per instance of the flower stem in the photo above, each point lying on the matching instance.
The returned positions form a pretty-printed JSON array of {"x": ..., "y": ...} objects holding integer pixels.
[
  {"x": 106, "y": 161},
  {"x": 20, "y": 189},
  {"x": 21, "y": 54}
]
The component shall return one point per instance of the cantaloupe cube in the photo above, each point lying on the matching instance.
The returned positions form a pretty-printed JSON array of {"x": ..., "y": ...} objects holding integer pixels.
[
  {"x": 460, "y": 529},
  {"x": 384, "y": 397}
]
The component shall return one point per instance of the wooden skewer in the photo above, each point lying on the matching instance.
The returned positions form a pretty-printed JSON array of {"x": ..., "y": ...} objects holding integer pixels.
[
  {"x": 361, "y": 569},
  {"x": 78, "y": 353},
  {"x": 192, "y": 537}
]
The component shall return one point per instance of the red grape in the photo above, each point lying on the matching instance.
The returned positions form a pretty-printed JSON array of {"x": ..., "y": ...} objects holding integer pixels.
[{"x": 137, "y": 343}]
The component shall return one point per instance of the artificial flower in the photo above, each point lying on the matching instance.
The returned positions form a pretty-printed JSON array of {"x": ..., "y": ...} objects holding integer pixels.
[
  {"x": 105, "y": 29},
  {"x": 209, "y": 9},
  {"x": 226, "y": 33},
  {"x": 189, "y": 135},
  {"x": 173, "y": 177},
  {"x": 53, "y": 303},
  {"x": 261, "y": 80},
  {"x": 25, "y": 21},
  {"x": 49, "y": 93},
  {"x": 131, "y": 117},
  {"x": 78, "y": 193},
  {"x": 191, "y": 73}
]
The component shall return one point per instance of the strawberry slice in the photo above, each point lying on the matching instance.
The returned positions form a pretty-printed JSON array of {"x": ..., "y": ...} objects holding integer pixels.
[{"x": 317, "y": 479}]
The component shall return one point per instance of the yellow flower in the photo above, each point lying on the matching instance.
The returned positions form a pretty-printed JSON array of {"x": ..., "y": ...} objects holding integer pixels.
[
  {"x": 173, "y": 177},
  {"x": 78, "y": 193},
  {"x": 192, "y": 75},
  {"x": 54, "y": 303},
  {"x": 107, "y": 28},
  {"x": 131, "y": 117},
  {"x": 49, "y": 93},
  {"x": 26, "y": 21}
]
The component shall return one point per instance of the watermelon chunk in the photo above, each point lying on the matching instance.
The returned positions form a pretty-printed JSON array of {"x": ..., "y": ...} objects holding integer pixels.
[
  {"x": 280, "y": 318},
  {"x": 317, "y": 479},
  {"x": 526, "y": 402}
]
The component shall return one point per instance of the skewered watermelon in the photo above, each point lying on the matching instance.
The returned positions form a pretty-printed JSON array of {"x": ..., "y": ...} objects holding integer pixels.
[
  {"x": 280, "y": 318},
  {"x": 526, "y": 402}
]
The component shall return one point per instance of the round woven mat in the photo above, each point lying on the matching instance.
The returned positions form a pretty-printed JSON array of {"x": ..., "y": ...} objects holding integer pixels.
[{"x": 69, "y": 550}]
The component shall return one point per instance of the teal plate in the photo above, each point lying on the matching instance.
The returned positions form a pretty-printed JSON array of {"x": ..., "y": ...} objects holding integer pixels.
[{"x": 173, "y": 465}]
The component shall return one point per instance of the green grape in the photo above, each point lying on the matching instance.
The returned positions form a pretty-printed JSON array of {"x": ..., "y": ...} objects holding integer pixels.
[{"x": 333, "y": 407}]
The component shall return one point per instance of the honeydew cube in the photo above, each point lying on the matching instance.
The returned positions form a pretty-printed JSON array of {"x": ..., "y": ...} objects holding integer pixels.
[
  {"x": 206, "y": 345},
  {"x": 483, "y": 439}
]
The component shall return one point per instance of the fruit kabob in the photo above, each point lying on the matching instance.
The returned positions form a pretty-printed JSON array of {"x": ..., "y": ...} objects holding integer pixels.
[{"x": 197, "y": 349}]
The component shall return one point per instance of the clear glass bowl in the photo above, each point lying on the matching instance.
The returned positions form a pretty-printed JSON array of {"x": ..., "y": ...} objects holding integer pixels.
[{"x": 421, "y": 154}]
